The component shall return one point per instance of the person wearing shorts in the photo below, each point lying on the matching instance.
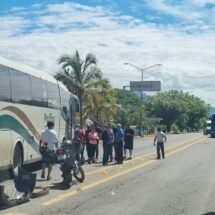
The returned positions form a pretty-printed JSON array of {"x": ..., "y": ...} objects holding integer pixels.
[
  {"x": 48, "y": 143},
  {"x": 128, "y": 142}
]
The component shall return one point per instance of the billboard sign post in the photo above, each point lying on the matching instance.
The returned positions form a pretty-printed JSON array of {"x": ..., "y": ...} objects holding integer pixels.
[{"x": 145, "y": 85}]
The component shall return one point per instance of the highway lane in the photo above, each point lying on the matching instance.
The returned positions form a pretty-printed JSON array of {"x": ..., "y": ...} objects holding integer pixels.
[
  {"x": 143, "y": 147},
  {"x": 180, "y": 184}
]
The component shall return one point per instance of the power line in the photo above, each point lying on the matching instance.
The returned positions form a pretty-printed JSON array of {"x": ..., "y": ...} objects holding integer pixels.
[{"x": 9, "y": 54}]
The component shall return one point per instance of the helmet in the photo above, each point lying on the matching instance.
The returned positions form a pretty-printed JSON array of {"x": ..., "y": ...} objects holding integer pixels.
[
  {"x": 77, "y": 127},
  {"x": 67, "y": 143}
]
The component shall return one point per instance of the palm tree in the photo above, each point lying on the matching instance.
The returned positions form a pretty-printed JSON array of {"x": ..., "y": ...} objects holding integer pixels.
[
  {"x": 79, "y": 75},
  {"x": 100, "y": 102}
]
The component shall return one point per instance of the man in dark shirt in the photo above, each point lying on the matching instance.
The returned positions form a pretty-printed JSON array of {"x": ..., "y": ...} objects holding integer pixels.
[
  {"x": 129, "y": 139},
  {"x": 107, "y": 138}
]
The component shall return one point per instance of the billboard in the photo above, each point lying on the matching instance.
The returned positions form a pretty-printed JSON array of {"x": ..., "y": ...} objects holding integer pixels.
[{"x": 145, "y": 85}]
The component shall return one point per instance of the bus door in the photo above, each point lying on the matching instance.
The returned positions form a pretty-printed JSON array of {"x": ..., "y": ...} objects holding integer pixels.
[{"x": 5, "y": 147}]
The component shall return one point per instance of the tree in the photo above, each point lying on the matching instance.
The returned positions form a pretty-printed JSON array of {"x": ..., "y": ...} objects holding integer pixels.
[
  {"x": 127, "y": 102},
  {"x": 79, "y": 75},
  {"x": 178, "y": 108},
  {"x": 100, "y": 102}
]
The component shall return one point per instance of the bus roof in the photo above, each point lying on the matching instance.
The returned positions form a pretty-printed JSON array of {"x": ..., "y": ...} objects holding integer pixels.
[
  {"x": 27, "y": 69},
  {"x": 32, "y": 71}
]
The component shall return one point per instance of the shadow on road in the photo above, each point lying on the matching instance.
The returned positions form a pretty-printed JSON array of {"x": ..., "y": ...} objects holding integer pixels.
[
  {"x": 6, "y": 174},
  {"x": 57, "y": 186}
]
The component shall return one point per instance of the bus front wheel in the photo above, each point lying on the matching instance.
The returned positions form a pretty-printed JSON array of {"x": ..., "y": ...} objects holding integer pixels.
[{"x": 17, "y": 157}]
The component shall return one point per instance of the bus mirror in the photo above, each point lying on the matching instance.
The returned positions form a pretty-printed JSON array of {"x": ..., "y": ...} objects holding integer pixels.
[
  {"x": 65, "y": 113},
  {"x": 74, "y": 103},
  {"x": 77, "y": 108}
]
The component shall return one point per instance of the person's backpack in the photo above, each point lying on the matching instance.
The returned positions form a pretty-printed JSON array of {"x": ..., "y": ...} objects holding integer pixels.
[{"x": 43, "y": 147}]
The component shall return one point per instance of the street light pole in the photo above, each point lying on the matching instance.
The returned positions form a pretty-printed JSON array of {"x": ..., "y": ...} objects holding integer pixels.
[
  {"x": 141, "y": 95},
  {"x": 124, "y": 95}
]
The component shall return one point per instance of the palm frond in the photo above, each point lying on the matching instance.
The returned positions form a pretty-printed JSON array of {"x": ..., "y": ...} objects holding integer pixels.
[
  {"x": 63, "y": 58},
  {"x": 92, "y": 75},
  {"x": 89, "y": 60}
]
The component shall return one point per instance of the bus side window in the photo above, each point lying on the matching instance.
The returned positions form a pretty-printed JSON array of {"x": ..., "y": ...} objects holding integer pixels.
[
  {"x": 53, "y": 95},
  {"x": 39, "y": 92},
  {"x": 5, "y": 86},
  {"x": 64, "y": 96},
  {"x": 21, "y": 89}
]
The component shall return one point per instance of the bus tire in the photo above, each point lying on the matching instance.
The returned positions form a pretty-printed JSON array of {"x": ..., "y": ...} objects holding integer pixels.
[{"x": 17, "y": 158}]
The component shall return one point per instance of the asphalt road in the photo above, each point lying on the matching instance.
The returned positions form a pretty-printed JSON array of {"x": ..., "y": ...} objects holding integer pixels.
[{"x": 183, "y": 183}]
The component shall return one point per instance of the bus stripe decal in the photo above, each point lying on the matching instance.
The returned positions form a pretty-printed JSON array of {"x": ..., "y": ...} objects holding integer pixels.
[
  {"x": 9, "y": 122},
  {"x": 24, "y": 118}
]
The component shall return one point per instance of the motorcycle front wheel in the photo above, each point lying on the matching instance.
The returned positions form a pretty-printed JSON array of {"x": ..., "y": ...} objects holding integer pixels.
[
  {"x": 79, "y": 174},
  {"x": 67, "y": 180}
]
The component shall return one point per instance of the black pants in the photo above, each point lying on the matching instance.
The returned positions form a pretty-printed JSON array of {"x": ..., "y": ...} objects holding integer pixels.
[
  {"x": 107, "y": 152},
  {"x": 92, "y": 150},
  {"x": 88, "y": 149},
  {"x": 82, "y": 154},
  {"x": 119, "y": 151},
  {"x": 160, "y": 146},
  {"x": 97, "y": 150}
]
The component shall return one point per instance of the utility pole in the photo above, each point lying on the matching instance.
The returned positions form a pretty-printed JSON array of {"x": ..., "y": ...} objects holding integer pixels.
[{"x": 141, "y": 91}]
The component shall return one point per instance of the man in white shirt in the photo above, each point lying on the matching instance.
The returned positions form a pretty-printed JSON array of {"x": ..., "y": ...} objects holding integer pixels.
[
  {"x": 161, "y": 138},
  {"x": 48, "y": 143}
]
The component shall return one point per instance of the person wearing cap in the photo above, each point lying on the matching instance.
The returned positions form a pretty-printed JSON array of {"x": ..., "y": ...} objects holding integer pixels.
[
  {"x": 160, "y": 137},
  {"x": 119, "y": 144},
  {"x": 79, "y": 137},
  {"x": 80, "y": 133},
  {"x": 48, "y": 143}
]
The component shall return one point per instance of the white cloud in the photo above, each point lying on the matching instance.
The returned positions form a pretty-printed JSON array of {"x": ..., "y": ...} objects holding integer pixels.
[
  {"x": 12, "y": 25},
  {"x": 203, "y": 2},
  {"x": 184, "y": 10},
  {"x": 192, "y": 12},
  {"x": 188, "y": 59}
]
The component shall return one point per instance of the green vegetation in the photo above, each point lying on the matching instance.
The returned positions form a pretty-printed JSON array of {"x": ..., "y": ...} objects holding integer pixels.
[
  {"x": 81, "y": 77},
  {"x": 183, "y": 110},
  {"x": 174, "y": 111}
]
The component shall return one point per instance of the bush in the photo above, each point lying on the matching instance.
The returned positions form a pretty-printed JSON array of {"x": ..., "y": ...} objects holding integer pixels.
[{"x": 174, "y": 128}]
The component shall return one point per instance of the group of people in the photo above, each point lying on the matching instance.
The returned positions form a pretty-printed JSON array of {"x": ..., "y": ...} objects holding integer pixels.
[{"x": 114, "y": 139}]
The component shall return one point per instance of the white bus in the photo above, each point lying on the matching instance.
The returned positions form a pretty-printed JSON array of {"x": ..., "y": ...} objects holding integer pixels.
[{"x": 28, "y": 99}]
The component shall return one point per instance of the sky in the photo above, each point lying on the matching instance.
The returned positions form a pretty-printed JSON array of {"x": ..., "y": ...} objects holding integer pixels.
[{"x": 179, "y": 34}]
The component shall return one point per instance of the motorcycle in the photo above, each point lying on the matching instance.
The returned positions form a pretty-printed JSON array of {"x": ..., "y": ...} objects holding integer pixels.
[{"x": 68, "y": 158}]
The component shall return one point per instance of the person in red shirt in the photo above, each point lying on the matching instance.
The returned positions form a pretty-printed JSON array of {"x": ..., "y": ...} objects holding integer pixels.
[
  {"x": 80, "y": 133},
  {"x": 79, "y": 137}
]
